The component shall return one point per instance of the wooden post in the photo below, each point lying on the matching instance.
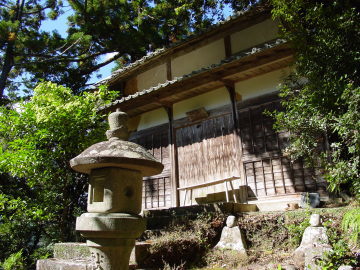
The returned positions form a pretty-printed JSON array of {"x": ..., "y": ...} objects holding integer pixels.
[
  {"x": 230, "y": 86},
  {"x": 227, "y": 46},
  {"x": 175, "y": 198}
]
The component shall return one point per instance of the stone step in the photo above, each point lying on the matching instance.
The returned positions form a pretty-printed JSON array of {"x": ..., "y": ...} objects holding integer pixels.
[
  {"x": 71, "y": 251},
  {"x": 77, "y": 256},
  {"x": 59, "y": 264}
]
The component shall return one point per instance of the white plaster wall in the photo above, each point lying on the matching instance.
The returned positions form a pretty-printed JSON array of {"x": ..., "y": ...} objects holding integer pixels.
[
  {"x": 254, "y": 35},
  {"x": 153, "y": 118},
  {"x": 211, "y": 100},
  {"x": 151, "y": 77},
  {"x": 260, "y": 85},
  {"x": 204, "y": 56}
]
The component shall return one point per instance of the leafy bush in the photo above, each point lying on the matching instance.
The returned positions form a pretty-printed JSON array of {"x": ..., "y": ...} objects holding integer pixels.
[
  {"x": 340, "y": 255},
  {"x": 40, "y": 195},
  {"x": 321, "y": 99},
  {"x": 14, "y": 262},
  {"x": 351, "y": 225}
]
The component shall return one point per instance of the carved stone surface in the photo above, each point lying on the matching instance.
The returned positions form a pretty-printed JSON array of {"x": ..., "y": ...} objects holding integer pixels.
[
  {"x": 71, "y": 251},
  {"x": 315, "y": 220},
  {"x": 231, "y": 237},
  {"x": 59, "y": 264},
  {"x": 313, "y": 244},
  {"x": 116, "y": 153},
  {"x": 105, "y": 182},
  {"x": 117, "y": 225},
  {"x": 116, "y": 168},
  {"x": 231, "y": 221}
]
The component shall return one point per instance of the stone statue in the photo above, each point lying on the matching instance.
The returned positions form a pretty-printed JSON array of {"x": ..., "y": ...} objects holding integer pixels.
[
  {"x": 313, "y": 244},
  {"x": 116, "y": 169},
  {"x": 231, "y": 237}
]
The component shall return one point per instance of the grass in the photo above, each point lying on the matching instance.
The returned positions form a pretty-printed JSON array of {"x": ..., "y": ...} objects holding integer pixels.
[{"x": 271, "y": 238}]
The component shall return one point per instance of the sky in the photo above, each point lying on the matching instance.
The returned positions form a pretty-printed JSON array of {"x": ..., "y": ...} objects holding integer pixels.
[{"x": 60, "y": 25}]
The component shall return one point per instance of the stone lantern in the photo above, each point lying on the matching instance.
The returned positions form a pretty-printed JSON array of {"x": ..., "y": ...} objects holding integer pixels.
[{"x": 116, "y": 169}]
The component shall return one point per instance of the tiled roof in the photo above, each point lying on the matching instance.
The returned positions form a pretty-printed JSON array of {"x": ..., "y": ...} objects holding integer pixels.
[
  {"x": 160, "y": 51},
  {"x": 235, "y": 57}
]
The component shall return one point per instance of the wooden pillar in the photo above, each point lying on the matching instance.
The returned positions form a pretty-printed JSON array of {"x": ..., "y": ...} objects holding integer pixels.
[
  {"x": 175, "y": 198},
  {"x": 227, "y": 46},
  {"x": 230, "y": 86}
]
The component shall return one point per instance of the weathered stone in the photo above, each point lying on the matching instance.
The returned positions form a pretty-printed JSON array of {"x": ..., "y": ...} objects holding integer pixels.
[
  {"x": 118, "y": 128},
  {"x": 117, "y": 225},
  {"x": 310, "y": 200},
  {"x": 313, "y": 255},
  {"x": 314, "y": 241},
  {"x": 315, "y": 220},
  {"x": 346, "y": 267},
  {"x": 116, "y": 153},
  {"x": 105, "y": 182},
  {"x": 142, "y": 253},
  {"x": 231, "y": 221},
  {"x": 58, "y": 264},
  {"x": 71, "y": 251},
  {"x": 288, "y": 267},
  {"x": 116, "y": 168},
  {"x": 231, "y": 237}
]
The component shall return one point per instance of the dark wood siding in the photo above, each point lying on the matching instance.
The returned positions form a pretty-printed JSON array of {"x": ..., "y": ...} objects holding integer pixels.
[
  {"x": 209, "y": 150},
  {"x": 157, "y": 188},
  {"x": 206, "y": 152},
  {"x": 268, "y": 172}
]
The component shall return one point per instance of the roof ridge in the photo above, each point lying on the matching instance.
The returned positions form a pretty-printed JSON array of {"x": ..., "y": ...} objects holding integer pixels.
[
  {"x": 159, "y": 51},
  {"x": 256, "y": 49}
]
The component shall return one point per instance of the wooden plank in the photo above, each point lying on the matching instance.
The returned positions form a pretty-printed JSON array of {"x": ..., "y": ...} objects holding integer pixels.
[
  {"x": 168, "y": 69},
  {"x": 227, "y": 45},
  {"x": 266, "y": 57},
  {"x": 230, "y": 86},
  {"x": 174, "y": 163},
  {"x": 209, "y": 183}
]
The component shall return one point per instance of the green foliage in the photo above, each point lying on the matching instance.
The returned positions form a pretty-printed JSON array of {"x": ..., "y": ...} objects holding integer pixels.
[
  {"x": 14, "y": 262},
  {"x": 322, "y": 97},
  {"x": 340, "y": 255},
  {"x": 351, "y": 225},
  {"x": 40, "y": 194},
  {"x": 296, "y": 231},
  {"x": 95, "y": 28}
]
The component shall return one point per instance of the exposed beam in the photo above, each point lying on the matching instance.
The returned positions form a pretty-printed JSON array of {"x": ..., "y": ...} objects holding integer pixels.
[
  {"x": 175, "y": 198},
  {"x": 257, "y": 64},
  {"x": 227, "y": 45},
  {"x": 230, "y": 86}
]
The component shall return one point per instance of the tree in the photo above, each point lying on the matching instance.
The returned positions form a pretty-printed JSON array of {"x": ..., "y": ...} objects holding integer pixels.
[
  {"x": 40, "y": 194},
  {"x": 19, "y": 35},
  {"x": 322, "y": 96},
  {"x": 129, "y": 29}
]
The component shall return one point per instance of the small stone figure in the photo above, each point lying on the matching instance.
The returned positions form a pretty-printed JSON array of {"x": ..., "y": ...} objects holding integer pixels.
[
  {"x": 231, "y": 237},
  {"x": 313, "y": 244}
]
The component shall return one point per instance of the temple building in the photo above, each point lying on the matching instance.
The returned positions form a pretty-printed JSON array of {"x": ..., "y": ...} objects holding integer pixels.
[{"x": 198, "y": 106}]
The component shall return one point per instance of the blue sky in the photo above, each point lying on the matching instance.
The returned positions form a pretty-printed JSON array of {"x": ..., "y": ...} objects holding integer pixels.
[{"x": 60, "y": 25}]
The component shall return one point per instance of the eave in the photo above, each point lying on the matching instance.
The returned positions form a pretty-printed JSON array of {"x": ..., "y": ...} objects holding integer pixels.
[
  {"x": 242, "y": 20},
  {"x": 228, "y": 72}
]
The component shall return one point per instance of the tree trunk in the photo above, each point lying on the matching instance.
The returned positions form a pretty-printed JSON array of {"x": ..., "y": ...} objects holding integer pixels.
[
  {"x": 9, "y": 54},
  {"x": 7, "y": 66}
]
